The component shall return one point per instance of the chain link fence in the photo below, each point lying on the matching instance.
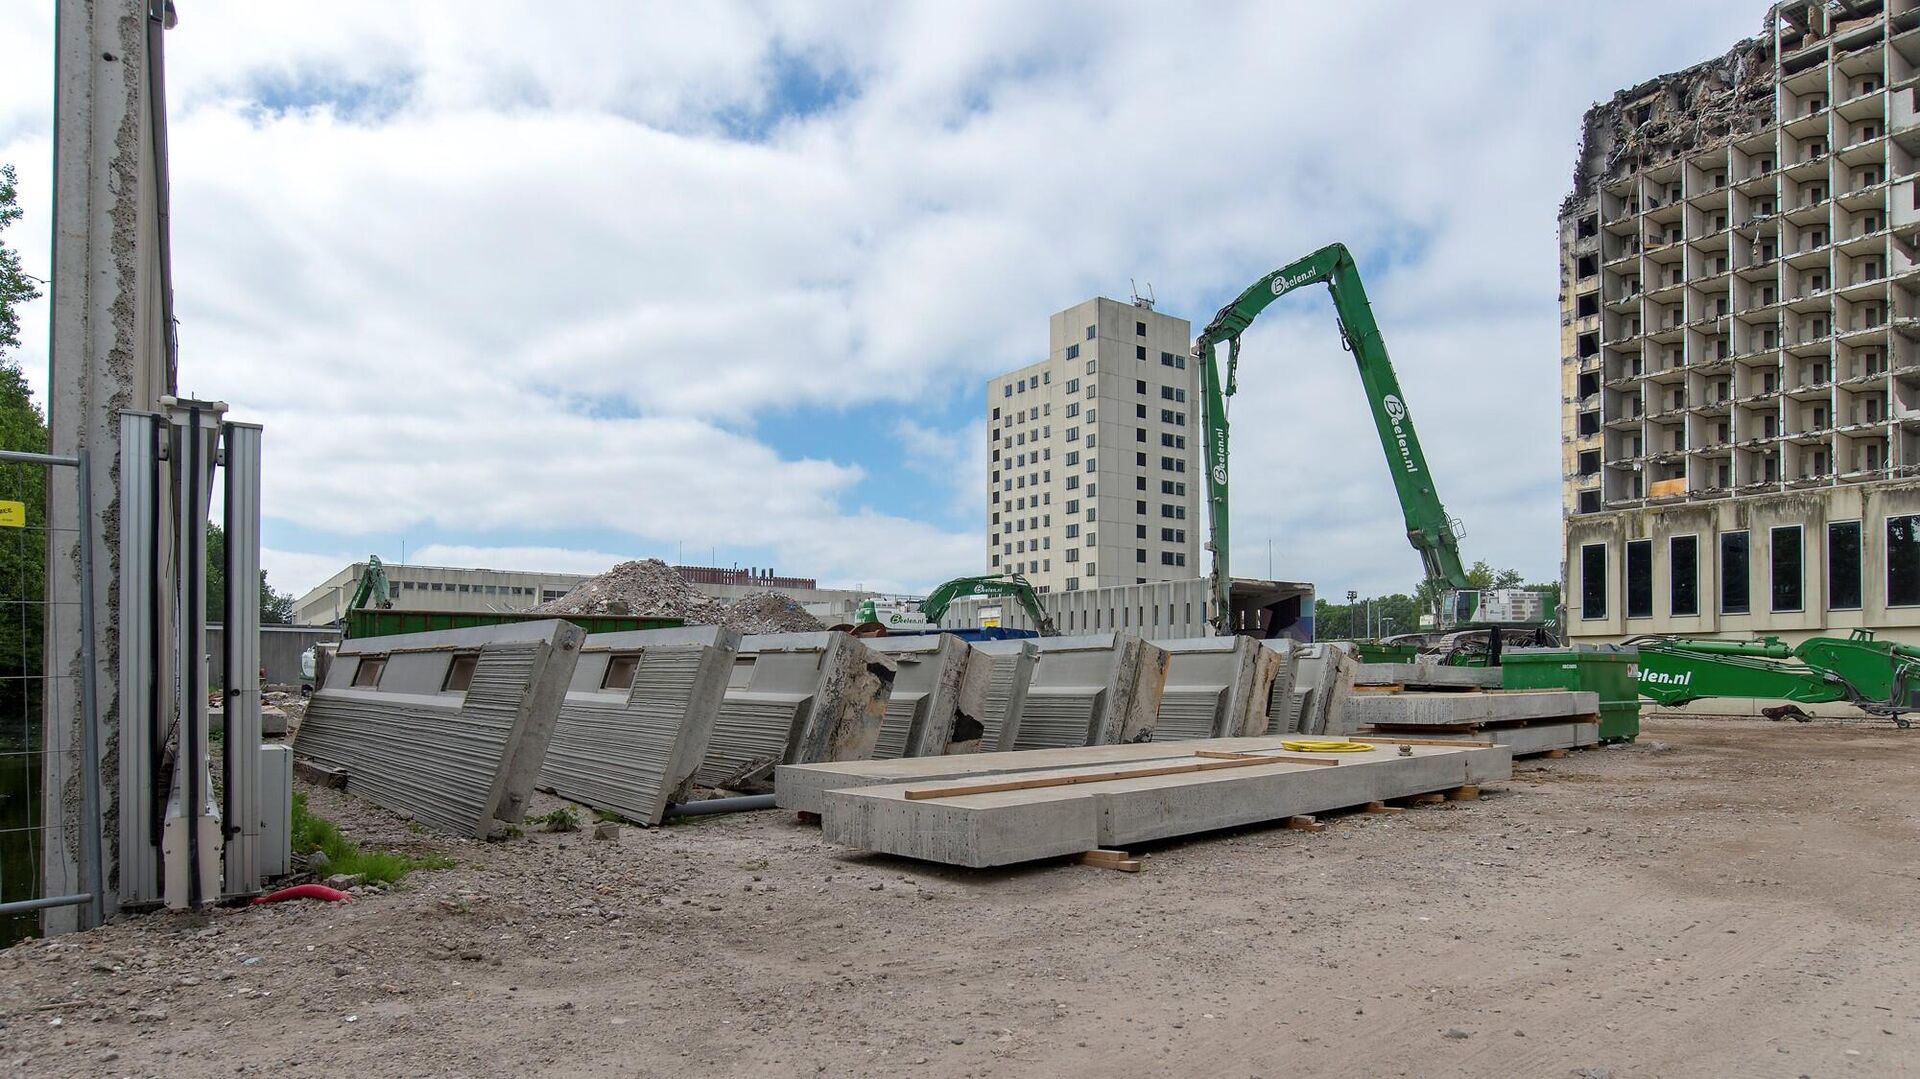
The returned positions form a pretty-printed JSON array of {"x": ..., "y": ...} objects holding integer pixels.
[{"x": 28, "y": 617}]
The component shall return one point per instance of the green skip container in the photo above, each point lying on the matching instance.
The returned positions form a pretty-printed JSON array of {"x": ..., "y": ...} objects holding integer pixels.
[{"x": 1611, "y": 673}]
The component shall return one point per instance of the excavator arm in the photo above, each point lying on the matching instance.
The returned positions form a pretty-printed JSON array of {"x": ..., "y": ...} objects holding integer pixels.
[
  {"x": 936, "y": 604},
  {"x": 373, "y": 586},
  {"x": 1429, "y": 529},
  {"x": 1878, "y": 677}
]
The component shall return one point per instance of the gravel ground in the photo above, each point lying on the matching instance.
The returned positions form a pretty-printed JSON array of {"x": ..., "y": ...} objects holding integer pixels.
[{"x": 1724, "y": 898}]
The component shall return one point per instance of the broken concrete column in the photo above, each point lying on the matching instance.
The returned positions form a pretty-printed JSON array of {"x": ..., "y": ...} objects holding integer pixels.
[
  {"x": 449, "y": 728},
  {"x": 1098, "y": 689},
  {"x": 1216, "y": 688},
  {"x": 638, "y": 717},
  {"x": 796, "y": 698},
  {"x": 934, "y": 706},
  {"x": 1324, "y": 683}
]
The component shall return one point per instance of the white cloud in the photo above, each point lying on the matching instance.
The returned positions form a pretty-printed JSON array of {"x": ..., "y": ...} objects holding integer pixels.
[{"x": 479, "y": 270}]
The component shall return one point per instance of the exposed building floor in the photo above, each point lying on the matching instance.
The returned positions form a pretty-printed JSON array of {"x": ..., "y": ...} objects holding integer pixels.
[{"x": 1728, "y": 897}]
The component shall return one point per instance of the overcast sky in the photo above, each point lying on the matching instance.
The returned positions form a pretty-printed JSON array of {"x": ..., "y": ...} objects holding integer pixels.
[{"x": 722, "y": 282}]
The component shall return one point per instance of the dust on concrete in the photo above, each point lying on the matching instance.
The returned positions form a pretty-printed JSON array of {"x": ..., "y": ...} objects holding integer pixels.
[{"x": 1727, "y": 898}]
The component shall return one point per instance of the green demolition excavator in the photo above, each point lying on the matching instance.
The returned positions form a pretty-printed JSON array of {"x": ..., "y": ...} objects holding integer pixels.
[
  {"x": 1429, "y": 529},
  {"x": 934, "y": 607},
  {"x": 1880, "y": 678}
]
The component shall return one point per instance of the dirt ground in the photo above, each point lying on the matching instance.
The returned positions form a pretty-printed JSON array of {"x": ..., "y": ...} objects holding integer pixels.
[{"x": 1727, "y": 897}]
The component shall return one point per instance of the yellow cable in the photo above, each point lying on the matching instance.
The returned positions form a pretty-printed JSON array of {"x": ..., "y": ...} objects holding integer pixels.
[{"x": 1318, "y": 746}]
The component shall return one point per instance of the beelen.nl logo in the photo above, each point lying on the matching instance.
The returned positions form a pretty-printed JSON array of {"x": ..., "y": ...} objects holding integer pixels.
[
  {"x": 1220, "y": 458},
  {"x": 1677, "y": 679},
  {"x": 1396, "y": 411},
  {"x": 1282, "y": 285}
]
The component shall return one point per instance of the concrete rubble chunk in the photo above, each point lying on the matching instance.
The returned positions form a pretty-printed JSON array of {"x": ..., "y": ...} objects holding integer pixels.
[
  {"x": 638, "y": 718},
  {"x": 935, "y": 708},
  {"x": 1081, "y": 809},
  {"x": 1216, "y": 687},
  {"x": 1469, "y": 709},
  {"x": 450, "y": 727},
  {"x": 796, "y": 698}
]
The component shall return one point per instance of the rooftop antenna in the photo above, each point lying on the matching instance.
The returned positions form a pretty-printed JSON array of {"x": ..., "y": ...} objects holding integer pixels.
[{"x": 1139, "y": 300}]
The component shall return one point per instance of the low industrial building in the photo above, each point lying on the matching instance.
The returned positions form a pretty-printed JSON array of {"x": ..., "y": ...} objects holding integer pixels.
[{"x": 454, "y": 588}]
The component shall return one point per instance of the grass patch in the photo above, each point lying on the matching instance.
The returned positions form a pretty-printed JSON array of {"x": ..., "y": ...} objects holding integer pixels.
[
  {"x": 312, "y": 832},
  {"x": 560, "y": 820}
]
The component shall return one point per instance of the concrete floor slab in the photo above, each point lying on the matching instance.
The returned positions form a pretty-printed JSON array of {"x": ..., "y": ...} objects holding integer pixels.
[
  {"x": 1463, "y": 709},
  {"x": 1005, "y": 827},
  {"x": 1426, "y": 676},
  {"x": 1522, "y": 740},
  {"x": 803, "y": 787}
]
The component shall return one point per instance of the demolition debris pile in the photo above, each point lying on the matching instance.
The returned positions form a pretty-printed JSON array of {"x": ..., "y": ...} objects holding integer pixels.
[{"x": 652, "y": 588}]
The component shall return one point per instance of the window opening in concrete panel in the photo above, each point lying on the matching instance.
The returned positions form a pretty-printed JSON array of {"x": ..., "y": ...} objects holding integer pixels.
[
  {"x": 1843, "y": 566},
  {"x": 1735, "y": 595},
  {"x": 460, "y": 672},
  {"x": 1140, "y": 329},
  {"x": 1683, "y": 575},
  {"x": 1593, "y": 581},
  {"x": 1639, "y": 574},
  {"x": 367, "y": 674},
  {"x": 1090, "y": 333}
]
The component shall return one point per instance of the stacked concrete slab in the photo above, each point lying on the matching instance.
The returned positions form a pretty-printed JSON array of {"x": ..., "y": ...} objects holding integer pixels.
[
  {"x": 1092, "y": 690},
  {"x": 637, "y": 718},
  {"x": 935, "y": 706},
  {"x": 1217, "y": 687},
  {"x": 1527, "y": 721},
  {"x": 448, "y": 728},
  {"x": 1068, "y": 810},
  {"x": 1425, "y": 675},
  {"x": 795, "y": 698},
  {"x": 1006, "y": 668},
  {"x": 804, "y": 787}
]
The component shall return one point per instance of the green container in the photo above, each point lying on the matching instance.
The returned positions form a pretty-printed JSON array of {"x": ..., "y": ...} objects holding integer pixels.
[
  {"x": 1375, "y": 652},
  {"x": 1610, "y": 673},
  {"x": 374, "y": 622}
]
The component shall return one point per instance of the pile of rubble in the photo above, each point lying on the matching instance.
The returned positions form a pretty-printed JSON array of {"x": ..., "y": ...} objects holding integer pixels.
[{"x": 652, "y": 588}]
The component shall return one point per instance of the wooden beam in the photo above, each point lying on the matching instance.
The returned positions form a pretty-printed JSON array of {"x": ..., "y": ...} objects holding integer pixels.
[
  {"x": 1381, "y": 808},
  {"x": 1303, "y": 823},
  {"x": 1116, "y": 860}
]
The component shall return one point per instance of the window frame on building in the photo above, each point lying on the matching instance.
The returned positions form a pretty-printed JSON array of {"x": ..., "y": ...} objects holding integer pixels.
[
  {"x": 1786, "y": 596},
  {"x": 1835, "y": 595},
  {"x": 1593, "y": 594},
  {"x": 1637, "y": 580},
  {"x": 1691, "y": 579},
  {"x": 1726, "y": 575}
]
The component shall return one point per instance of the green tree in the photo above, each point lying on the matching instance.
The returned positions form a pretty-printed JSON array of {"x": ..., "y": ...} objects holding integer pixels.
[
  {"x": 276, "y": 608},
  {"x": 16, "y": 288}
]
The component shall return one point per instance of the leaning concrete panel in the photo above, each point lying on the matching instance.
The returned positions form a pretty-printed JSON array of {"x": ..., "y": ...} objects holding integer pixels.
[
  {"x": 803, "y": 787},
  {"x": 1426, "y": 675},
  {"x": 796, "y": 698},
  {"x": 934, "y": 705},
  {"x": 1282, "y": 707},
  {"x": 1323, "y": 685},
  {"x": 1098, "y": 689},
  {"x": 1216, "y": 687},
  {"x": 1468, "y": 709},
  {"x": 1007, "y": 667},
  {"x": 449, "y": 728},
  {"x": 1004, "y": 827},
  {"x": 638, "y": 717}
]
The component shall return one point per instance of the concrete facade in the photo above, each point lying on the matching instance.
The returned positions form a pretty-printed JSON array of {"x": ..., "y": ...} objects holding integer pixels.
[
  {"x": 1740, "y": 347},
  {"x": 1158, "y": 610},
  {"x": 1094, "y": 453}
]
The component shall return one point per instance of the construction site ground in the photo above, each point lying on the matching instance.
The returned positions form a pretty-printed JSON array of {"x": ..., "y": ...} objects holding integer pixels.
[{"x": 1726, "y": 897}]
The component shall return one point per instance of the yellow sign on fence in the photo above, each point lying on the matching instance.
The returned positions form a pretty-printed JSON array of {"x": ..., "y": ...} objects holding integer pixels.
[{"x": 13, "y": 515}]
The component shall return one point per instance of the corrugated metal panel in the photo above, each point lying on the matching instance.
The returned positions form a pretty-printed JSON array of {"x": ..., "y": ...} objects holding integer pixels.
[
  {"x": 436, "y": 763},
  {"x": 1185, "y": 716},
  {"x": 1051, "y": 721}
]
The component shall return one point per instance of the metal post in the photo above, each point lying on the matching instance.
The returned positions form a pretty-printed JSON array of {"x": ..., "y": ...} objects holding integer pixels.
[
  {"x": 142, "y": 662},
  {"x": 191, "y": 847},
  {"x": 241, "y": 807}
]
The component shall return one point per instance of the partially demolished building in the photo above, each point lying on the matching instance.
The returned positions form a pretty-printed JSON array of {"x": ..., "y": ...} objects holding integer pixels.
[{"x": 1740, "y": 289}]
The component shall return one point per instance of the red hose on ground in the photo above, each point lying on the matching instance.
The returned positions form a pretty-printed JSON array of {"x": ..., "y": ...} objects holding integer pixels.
[{"x": 305, "y": 891}]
